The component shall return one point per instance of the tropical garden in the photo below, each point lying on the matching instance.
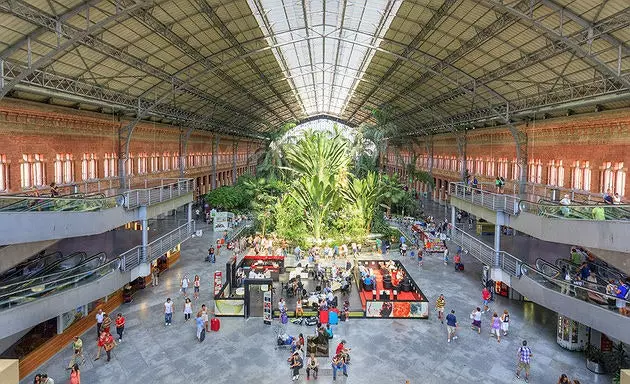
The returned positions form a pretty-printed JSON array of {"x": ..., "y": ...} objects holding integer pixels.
[{"x": 322, "y": 185}]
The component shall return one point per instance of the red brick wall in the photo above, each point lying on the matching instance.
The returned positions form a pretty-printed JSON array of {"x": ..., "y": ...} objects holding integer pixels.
[
  {"x": 30, "y": 128},
  {"x": 597, "y": 138}
]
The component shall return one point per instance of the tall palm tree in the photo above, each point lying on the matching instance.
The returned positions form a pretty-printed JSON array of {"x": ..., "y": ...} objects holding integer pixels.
[{"x": 364, "y": 194}]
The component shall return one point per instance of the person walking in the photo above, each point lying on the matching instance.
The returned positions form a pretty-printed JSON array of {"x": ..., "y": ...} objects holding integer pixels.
[
  {"x": 451, "y": 326},
  {"x": 564, "y": 379},
  {"x": 107, "y": 323},
  {"x": 312, "y": 365},
  {"x": 475, "y": 316},
  {"x": 184, "y": 285},
  {"x": 168, "y": 311},
  {"x": 75, "y": 375},
  {"x": 108, "y": 345},
  {"x": 77, "y": 347},
  {"x": 99, "y": 321},
  {"x": 445, "y": 256},
  {"x": 120, "y": 326},
  {"x": 440, "y": 303},
  {"x": 496, "y": 327},
  {"x": 211, "y": 257},
  {"x": 505, "y": 322},
  {"x": 46, "y": 380},
  {"x": 100, "y": 344},
  {"x": 524, "y": 360},
  {"x": 196, "y": 286},
  {"x": 485, "y": 297},
  {"x": 200, "y": 325},
  {"x": 187, "y": 309}
]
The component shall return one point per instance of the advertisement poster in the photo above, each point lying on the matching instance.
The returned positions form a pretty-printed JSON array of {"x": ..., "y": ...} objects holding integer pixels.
[
  {"x": 229, "y": 307},
  {"x": 397, "y": 309}
]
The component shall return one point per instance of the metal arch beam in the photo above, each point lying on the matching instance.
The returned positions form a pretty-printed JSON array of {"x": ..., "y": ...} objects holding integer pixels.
[
  {"x": 542, "y": 54},
  {"x": 167, "y": 33},
  {"x": 564, "y": 12},
  {"x": 20, "y": 44},
  {"x": 216, "y": 20},
  {"x": 73, "y": 36},
  {"x": 411, "y": 47},
  {"x": 572, "y": 43},
  {"x": 337, "y": 54}
]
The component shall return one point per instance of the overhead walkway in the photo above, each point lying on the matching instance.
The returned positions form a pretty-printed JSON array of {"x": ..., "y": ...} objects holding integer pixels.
[
  {"x": 585, "y": 303},
  {"x": 54, "y": 284},
  {"x": 25, "y": 219},
  {"x": 576, "y": 224}
]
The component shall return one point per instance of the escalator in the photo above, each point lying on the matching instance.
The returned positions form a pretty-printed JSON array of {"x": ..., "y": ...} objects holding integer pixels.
[
  {"x": 29, "y": 268},
  {"x": 587, "y": 304},
  {"x": 64, "y": 274}
]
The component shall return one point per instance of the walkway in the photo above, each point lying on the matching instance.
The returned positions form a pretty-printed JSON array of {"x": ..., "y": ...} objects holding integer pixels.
[{"x": 383, "y": 351}]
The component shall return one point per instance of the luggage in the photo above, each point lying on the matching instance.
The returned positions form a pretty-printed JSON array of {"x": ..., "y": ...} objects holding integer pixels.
[
  {"x": 333, "y": 318},
  {"x": 323, "y": 317},
  {"x": 460, "y": 267},
  {"x": 202, "y": 336},
  {"x": 215, "y": 324}
]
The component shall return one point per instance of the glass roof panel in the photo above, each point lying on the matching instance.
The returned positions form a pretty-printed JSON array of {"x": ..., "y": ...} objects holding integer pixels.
[{"x": 324, "y": 46}]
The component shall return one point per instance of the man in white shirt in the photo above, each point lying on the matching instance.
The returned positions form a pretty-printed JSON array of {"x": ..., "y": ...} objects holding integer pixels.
[
  {"x": 99, "y": 321},
  {"x": 168, "y": 312},
  {"x": 566, "y": 201}
]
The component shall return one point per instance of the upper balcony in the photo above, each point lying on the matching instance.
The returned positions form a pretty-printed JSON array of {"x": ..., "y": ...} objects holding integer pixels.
[
  {"x": 25, "y": 219},
  {"x": 599, "y": 227}
]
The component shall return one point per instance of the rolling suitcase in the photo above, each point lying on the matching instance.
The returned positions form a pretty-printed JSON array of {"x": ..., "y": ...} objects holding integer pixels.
[
  {"x": 202, "y": 336},
  {"x": 215, "y": 324},
  {"x": 323, "y": 317},
  {"x": 333, "y": 318}
]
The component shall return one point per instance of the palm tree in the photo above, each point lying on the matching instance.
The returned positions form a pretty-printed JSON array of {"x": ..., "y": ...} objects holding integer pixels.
[
  {"x": 273, "y": 161},
  {"x": 392, "y": 192},
  {"x": 316, "y": 196},
  {"x": 364, "y": 194}
]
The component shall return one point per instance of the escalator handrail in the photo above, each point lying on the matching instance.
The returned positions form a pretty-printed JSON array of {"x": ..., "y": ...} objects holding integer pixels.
[
  {"x": 539, "y": 207},
  {"x": 526, "y": 269},
  {"x": 41, "y": 201},
  {"x": 548, "y": 264},
  {"x": 574, "y": 270},
  {"x": 42, "y": 273},
  {"x": 61, "y": 280},
  {"x": 29, "y": 262}
]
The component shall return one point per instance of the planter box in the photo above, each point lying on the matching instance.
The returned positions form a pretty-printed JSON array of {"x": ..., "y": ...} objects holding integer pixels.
[{"x": 595, "y": 367}]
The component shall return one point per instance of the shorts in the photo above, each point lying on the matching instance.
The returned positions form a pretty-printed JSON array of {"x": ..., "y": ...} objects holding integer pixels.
[
  {"x": 621, "y": 303},
  {"x": 476, "y": 323},
  {"x": 485, "y": 302},
  {"x": 183, "y": 290},
  {"x": 505, "y": 326},
  {"x": 450, "y": 329},
  {"x": 523, "y": 365},
  {"x": 196, "y": 289}
]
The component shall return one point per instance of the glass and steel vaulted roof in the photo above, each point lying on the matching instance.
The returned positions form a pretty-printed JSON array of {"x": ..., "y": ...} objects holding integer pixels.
[
  {"x": 246, "y": 67},
  {"x": 324, "y": 46}
]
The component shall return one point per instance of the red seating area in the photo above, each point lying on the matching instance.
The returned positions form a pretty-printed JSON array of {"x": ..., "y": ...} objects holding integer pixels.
[{"x": 402, "y": 296}]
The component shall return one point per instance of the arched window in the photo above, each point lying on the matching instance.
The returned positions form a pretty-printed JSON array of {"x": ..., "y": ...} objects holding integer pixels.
[
  {"x": 620, "y": 179},
  {"x": 166, "y": 161},
  {"x": 88, "y": 167}
]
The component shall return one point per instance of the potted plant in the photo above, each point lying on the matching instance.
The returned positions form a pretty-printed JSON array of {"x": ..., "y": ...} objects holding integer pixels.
[
  {"x": 594, "y": 359},
  {"x": 616, "y": 359}
]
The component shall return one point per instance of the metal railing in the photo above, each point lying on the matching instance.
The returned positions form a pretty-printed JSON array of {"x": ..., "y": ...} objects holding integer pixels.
[
  {"x": 71, "y": 203},
  {"x": 479, "y": 196},
  {"x": 485, "y": 253},
  {"x": 576, "y": 211},
  {"x": 158, "y": 247},
  {"x": 36, "y": 291},
  {"x": 589, "y": 292},
  {"x": 163, "y": 192}
]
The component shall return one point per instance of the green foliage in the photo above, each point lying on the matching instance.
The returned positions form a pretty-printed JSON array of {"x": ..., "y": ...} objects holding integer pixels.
[
  {"x": 290, "y": 224},
  {"x": 231, "y": 198},
  {"x": 363, "y": 195}
]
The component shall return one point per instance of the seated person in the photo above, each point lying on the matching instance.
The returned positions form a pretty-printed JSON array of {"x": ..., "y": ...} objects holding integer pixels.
[
  {"x": 312, "y": 365},
  {"x": 329, "y": 331},
  {"x": 252, "y": 274},
  {"x": 369, "y": 282},
  {"x": 329, "y": 298},
  {"x": 323, "y": 305},
  {"x": 399, "y": 274},
  {"x": 337, "y": 363}
]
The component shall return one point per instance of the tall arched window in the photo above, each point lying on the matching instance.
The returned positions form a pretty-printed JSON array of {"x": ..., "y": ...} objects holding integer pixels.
[
  {"x": 88, "y": 167},
  {"x": 110, "y": 165}
]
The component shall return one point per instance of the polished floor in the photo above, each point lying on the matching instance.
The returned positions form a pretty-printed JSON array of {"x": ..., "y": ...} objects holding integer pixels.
[{"x": 383, "y": 350}]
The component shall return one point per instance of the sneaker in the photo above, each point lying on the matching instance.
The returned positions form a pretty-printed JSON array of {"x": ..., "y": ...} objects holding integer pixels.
[
  {"x": 448, "y": 341},
  {"x": 526, "y": 380},
  {"x": 120, "y": 340},
  {"x": 165, "y": 324},
  {"x": 454, "y": 337}
]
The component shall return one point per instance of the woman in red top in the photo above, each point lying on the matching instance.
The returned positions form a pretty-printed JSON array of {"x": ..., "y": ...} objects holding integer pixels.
[
  {"x": 485, "y": 295},
  {"x": 108, "y": 345},
  {"x": 120, "y": 326},
  {"x": 101, "y": 343}
]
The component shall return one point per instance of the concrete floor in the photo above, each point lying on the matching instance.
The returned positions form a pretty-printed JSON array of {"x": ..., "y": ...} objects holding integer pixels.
[{"x": 383, "y": 350}]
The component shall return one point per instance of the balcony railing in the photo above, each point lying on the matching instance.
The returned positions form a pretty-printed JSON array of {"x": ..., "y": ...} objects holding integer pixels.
[
  {"x": 74, "y": 203},
  {"x": 576, "y": 211},
  {"x": 148, "y": 196},
  {"x": 490, "y": 200},
  {"x": 158, "y": 247}
]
